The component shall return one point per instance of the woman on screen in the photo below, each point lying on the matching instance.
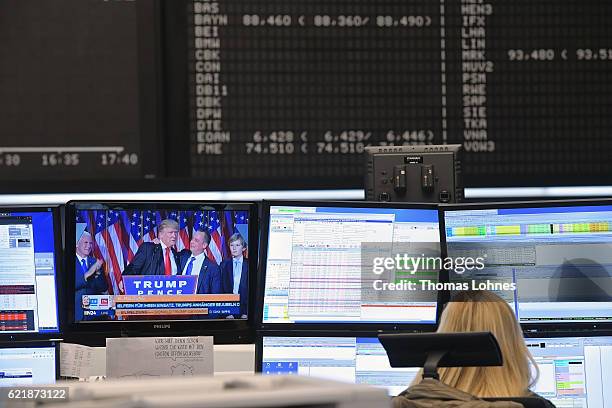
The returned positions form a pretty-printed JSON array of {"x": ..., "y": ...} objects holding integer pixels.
[{"x": 484, "y": 311}]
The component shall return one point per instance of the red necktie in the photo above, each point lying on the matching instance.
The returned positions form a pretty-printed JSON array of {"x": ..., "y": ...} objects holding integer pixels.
[{"x": 167, "y": 264}]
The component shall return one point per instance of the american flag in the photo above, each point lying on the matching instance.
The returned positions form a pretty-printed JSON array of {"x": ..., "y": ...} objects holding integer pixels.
[
  {"x": 116, "y": 245},
  {"x": 149, "y": 226},
  {"x": 241, "y": 217},
  {"x": 106, "y": 247},
  {"x": 135, "y": 228},
  {"x": 181, "y": 217},
  {"x": 81, "y": 217},
  {"x": 200, "y": 223},
  {"x": 241, "y": 226},
  {"x": 218, "y": 227},
  {"x": 183, "y": 238},
  {"x": 118, "y": 234},
  {"x": 123, "y": 231},
  {"x": 89, "y": 218}
]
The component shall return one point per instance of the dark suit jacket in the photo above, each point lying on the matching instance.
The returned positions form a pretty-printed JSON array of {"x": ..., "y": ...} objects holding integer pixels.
[
  {"x": 95, "y": 285},
  {"x": 149, "y": 260},
  {"x": 227, "y": 281},
  {"x": 209, "y": 278}
]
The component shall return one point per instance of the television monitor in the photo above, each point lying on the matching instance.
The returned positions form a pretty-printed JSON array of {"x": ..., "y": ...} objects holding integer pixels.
[
  {"x": 161, "y": 267},
  {"x": 552, "y": 261},
  {"x": 359, "y": 360},
  {"x": 24, "y": 364},
  {"x": 30, "y": 262},
  {"x": 574, "y": 371},
  {"x": 333, "y": 264}
]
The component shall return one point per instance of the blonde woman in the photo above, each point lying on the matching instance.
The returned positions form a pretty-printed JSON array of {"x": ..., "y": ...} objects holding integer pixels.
[{"x": 481, "y": 311}]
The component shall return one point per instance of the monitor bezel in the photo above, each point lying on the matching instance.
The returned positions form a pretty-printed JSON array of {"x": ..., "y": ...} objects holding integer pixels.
[
  {"x": 347, "y": 326},
  {"x": 28, "y": 344},
  {"x": 538, "y": 328},
  {"x": 223, "y": 330},
  {"x": 56, "y": 212}
]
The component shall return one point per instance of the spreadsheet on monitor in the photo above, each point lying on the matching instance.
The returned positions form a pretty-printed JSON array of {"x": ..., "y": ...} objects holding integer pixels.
[
  {"x": 28, "y": 298},
  {"x": 22, "y": 366},
  {"x": 575, "y": 372},
  {"x": 559, "y": 258},
  {"x": 359, "y": 360},
  {"x": 315, "y": 261}
]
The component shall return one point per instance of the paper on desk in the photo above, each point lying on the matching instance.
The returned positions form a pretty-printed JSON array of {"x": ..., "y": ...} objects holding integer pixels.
[
  {"x": 76, "y": 360},
  {"x": 159, "y": 356}
]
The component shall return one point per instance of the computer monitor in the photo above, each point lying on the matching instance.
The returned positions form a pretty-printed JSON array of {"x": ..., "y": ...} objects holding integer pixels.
[
  {"x": 333, "y": 264},
  {"x": 30, "y": 259},
  {"x": 160, "y": 267},
  {"x": 552, "y": 261},
  {"x": 574, "y": 371},
  {"x": 23, "y": 364},
  {"x": 359, "y": 360}
]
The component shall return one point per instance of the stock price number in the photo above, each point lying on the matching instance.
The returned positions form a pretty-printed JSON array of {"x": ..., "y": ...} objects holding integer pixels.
[
  {"x": 340, "y": 21},
  {"x": 341, "y": 148},
  {"x": 119, "y": 159},
  {"x": 280, "y": 20},
  {"x": 10, "y": 160},
  {"x": 531, "y": 55},
  {"x": 403, "y": 21},
  {"x": 280, "y": 136},
  {"x": 269, "y": 148},
  {"x": 411, "y": 137},
  {"x": 347, "y": 136},
  {"x": 588, "y": 54},
  {"x": 59, "y": 159}
]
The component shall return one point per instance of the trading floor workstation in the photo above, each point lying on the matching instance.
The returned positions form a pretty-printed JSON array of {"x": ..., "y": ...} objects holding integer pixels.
[{"x": 402, "y": 203}]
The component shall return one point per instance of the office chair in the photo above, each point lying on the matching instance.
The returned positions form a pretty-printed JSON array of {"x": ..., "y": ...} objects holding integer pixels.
[{"x": 433, "y": 350}]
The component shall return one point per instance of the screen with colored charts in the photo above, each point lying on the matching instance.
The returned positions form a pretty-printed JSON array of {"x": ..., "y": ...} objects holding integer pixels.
[
  {"x": 143, "y": 264},
  {"x": 28, "y": 268},
  {"x": 574, "y": 371},
  {"x": 23, "y": 366},
  {"x": 318, "y": 265},
  {"x": 359, "y": 360},
  {"x": 555, "y": 261}
]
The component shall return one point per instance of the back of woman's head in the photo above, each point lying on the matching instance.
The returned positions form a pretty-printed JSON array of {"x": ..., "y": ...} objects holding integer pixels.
[{"x": 481, "y": 311}]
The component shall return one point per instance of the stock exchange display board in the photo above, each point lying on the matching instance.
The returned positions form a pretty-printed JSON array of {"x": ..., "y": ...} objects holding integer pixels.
[
  {"x": 285, "y": 89},
  {"x": 71, "y": 99},
  {"x": 276, "y": 94}
]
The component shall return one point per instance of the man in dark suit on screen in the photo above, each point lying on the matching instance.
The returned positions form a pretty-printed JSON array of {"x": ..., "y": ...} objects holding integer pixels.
[
  {"x": 157, "y": 259},
  {"x": 235, "y": 273},
  {"x": 89, "y": 279},
  {"x": 193, "y": 261}
]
